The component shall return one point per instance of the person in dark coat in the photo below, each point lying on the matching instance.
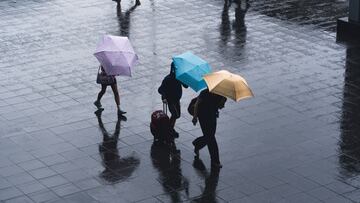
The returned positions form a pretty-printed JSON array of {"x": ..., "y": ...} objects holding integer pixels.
[
  {"x": 171, "y": 93},
  {"x": 207, "y": 110}
]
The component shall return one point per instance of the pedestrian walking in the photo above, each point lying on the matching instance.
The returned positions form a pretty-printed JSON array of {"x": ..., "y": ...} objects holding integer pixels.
[
  {"x": 171, "y": 93},
  {"x": 206, "y": 109},
  {"x": 107, "y": 80}
]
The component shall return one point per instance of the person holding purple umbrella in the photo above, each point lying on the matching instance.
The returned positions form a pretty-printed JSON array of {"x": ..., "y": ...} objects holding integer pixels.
[
  {"x": 116, "y": 57},
  {"x": 111, "y": 81}
]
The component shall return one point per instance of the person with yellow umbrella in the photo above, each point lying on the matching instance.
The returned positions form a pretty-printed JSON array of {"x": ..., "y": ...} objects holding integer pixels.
[
  {"x": 206, "y": 109},
  {"x": 220, "y": 85}
]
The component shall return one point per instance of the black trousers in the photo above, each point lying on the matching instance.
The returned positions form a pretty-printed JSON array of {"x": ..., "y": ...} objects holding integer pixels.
[
  {"x": 208, "y": 127},
  {"x": 174, "y": 108}
]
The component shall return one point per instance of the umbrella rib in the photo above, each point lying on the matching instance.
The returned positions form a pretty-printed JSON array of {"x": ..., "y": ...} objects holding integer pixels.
[
  {"x": 118, "y": 51},
  {"x": 236, "y": 91},
  {"x": 234, "y": 88}
]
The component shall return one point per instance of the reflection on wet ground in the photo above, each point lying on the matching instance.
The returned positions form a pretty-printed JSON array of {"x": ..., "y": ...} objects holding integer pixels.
[
  {"x": 304, "y": 12},
  {"x": 124, "y": 19},
  {"x": 211, "y": 181},
  {"x": 237, "y": 25},
  {"x": 350, "y": 127},
  {"x": 167, "y": 160},
  {"x": 296, "y": 141},
  {"x": 116, "y": 168}
]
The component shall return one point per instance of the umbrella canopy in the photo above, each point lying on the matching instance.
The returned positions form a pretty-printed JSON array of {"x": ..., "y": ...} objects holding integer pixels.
[
  {"x": 228, "y": 85},
  {"x": 116, "y": 55},
  {"x": 190, "y": 69}
]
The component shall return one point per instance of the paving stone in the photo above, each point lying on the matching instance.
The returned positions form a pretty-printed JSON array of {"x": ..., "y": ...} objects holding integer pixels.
[
  {"x": 53, "y": 181},
  {"x": 8, "y": 193},
  {"x": 31, "y": 187},
  {"x": 53, "y": 159},
  {"x": 10, "y": 170},
  {"x": 4, "y": 183},
  {"x": 87, "y": 183},
  {"x": 21, "y": 199},
  {"x": 66, "y": 189},
  {"x": 230, "y": 193},
  {"x": 323, "y": 194},
  {"x": 79, "y": 197},
  {"x": 43, "y": 196},
  {"x": 340, "y": 187},
  {"x": 20, "y": 178},
  {"x": 32, "y": 164},
  {"x": 302, "y": 197},
  {"x": 42, "y": 173},
  {"x": 20, "y": 157}
]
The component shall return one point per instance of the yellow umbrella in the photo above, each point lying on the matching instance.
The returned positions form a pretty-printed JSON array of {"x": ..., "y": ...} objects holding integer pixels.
[{"x": 228, "y": 85}]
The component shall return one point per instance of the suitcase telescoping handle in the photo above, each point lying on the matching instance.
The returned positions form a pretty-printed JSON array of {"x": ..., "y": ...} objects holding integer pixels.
[{"x": 165, "y": 108}]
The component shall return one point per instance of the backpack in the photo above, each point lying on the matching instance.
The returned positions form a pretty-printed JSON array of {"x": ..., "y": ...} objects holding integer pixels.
[{"x": 191, "y": 107}]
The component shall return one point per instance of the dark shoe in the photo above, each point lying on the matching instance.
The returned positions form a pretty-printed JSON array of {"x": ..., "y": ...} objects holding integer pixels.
[
  {"x": 137, "y": 3},
  {"x": 121, "y": 112},
  {"x": 198, "y": 164},
  {"x": 122, "y": 117},
  {"x": 98, "y": 112},
  {"x": 216, "y": 165},
  {"x": 98, "y": 104},
  {"x": 196, "y": 150}
]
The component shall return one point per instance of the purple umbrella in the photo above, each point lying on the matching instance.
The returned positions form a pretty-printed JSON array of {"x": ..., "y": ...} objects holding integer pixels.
[{"x": 116, "y": 55}]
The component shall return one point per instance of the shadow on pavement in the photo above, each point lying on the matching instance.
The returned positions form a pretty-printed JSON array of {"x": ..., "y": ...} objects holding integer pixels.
[{"x": 350, "y": 126}]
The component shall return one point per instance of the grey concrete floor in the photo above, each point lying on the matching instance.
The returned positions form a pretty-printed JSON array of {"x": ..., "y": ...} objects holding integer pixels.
[{"x": 297, "y": 140}]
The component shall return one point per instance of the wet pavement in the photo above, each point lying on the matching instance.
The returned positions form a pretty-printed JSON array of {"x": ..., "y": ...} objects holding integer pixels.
[
  {"x": 320, "y": 14},
  {"x": 297, "y": 140}
]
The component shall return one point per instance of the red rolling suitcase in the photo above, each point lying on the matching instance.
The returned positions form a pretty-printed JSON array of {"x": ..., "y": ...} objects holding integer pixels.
[{"x": 160, "y": 125}]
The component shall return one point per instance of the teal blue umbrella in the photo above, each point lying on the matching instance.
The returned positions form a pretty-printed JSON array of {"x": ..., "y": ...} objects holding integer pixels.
[{"x": 190, "y": 69}]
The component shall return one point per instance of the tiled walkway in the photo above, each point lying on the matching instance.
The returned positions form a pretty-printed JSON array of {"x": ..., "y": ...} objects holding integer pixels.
[{"x": 297, "y": 140}]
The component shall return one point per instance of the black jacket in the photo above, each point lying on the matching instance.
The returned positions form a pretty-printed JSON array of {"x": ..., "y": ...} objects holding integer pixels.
[{"x": 170, "y": 88}]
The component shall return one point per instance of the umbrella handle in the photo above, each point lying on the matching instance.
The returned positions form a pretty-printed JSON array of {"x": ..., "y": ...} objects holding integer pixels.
[
  {"x": 165, "y": 108},
  {"x": 99, "y": 70}
]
